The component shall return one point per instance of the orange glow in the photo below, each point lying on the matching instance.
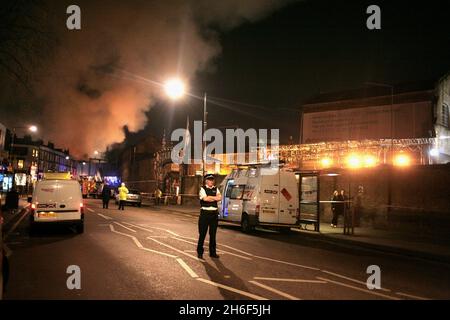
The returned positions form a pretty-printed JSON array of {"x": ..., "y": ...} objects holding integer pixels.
[
  {"x": 354, "y": 161},
  {"x": 402, "y": 160},
  {"x": 326, "y": 162},
  {"x": 370, "y": 161}
]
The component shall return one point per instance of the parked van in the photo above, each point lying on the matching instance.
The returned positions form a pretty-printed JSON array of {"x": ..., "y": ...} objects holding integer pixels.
[
  {"x": 57, "y": 201},
  {"x": 260, "y": 195}
]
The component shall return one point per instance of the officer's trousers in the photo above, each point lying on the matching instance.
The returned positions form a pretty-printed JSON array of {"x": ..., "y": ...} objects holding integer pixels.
[{"x": 208, "y": 219}]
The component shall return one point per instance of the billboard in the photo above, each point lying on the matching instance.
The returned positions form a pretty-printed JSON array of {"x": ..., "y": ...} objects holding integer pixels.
[{"x": 409, "y": 120}]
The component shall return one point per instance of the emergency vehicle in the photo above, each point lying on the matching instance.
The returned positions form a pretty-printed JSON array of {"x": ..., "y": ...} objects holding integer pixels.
[{"x": 260, "y": 195}]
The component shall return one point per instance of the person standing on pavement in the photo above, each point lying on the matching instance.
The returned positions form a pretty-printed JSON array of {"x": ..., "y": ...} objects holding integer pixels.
[
  {"x": 106, "y": 195},
  {"x": 158, "y": 195},
  {"x": 335, "y": 208},
  {"x": 209, "y": 195},
  {"x": 123, "y": 191}
]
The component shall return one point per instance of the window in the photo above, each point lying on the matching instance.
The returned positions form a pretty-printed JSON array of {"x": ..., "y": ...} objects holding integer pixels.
[
  {"x": 237, "y": 192},
  {"x": 20, "y": 164},
  {"x": 445, "y": 116}
]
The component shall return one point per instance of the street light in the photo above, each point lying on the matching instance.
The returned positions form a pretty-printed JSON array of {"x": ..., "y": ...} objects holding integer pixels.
[
  {"x": 175, "y": 89},
  {"x": 31, "y": 128}
]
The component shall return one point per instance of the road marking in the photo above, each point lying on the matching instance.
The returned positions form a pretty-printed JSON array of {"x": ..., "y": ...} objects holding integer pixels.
[
  {"x": 281, "y": 293},
  {"x": 15, "y": 225},
  {"x": 125, "y": 227},
  {"x": 159, "y": 252},
  {"x": 411, "y": 296},
  {"x": 103, "y": 216},
  {"x": 90, "y": 209},
  {"x": 137, "y": 226},
  {"x": 187, "y": 268},
  {"x": 175, "y": 249},
  {"x": 288, "y": 263},
  {"x": 359, "y": 289},
  {"x": 219, "y": 250},
  {"x": 139, "y": 245},
  {"x": 136, "y": 241},
  {"x": 290, "y": 280},
  {"x": 244, "y": 293},
  {"x": 351, "y": 279}
]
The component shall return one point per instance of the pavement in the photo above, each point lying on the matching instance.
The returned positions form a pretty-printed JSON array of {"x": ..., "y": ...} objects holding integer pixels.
[
  {"x": 412, "y": 245},
  {"x": 149, "y": 253}
]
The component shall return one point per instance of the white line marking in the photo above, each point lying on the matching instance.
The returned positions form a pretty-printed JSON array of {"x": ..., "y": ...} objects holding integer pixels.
[
  {"x": 15, "y": 225},
  {"x": 244, "y": 293},
  {"x": 288, "y": 263},
  {"x": 281, "y": 293},
  {"x": 105, "y": 217},
  {"x": 290, "y": 280},
  {"x": 229, "y": 247},
  {"x": 219, "y": 250},
  {"x": 125, "y": 227},
  {"x": 159, "y": 252},
  {"x": 411, "y": 296},
  {"x": 175, "y": 249},
  {"x": 137, "y": 226},
  {"x": 351, "y": 279},
  {"x": 187, "y": 268},
  {"x": 139, "y": 245},
  {"x": 90, "y": 209},
  {"x": 359, "y": 289}
]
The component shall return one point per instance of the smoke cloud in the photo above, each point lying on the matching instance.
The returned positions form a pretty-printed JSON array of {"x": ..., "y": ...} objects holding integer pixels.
[{"x": 85, "y": 92}]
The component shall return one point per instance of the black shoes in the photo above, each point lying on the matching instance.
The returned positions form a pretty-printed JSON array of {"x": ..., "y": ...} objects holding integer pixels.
[
  {"x": 200, "y": 256},
  {"x": 214, "y": 256}
]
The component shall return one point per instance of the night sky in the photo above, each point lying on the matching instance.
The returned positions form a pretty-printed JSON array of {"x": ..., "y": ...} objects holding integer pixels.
[{"x": 319, "y": 46}]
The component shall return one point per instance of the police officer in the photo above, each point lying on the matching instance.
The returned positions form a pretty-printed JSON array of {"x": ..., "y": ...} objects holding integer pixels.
[{"x": 209, "y": 195}]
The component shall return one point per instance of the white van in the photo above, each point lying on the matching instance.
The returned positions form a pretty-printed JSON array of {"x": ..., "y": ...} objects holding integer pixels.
[
  {"x": 260, "y": 195},
  {"x": 57, "y": 201}
]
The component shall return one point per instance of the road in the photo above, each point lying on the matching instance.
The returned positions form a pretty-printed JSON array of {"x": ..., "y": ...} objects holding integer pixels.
[{"x": 149, "y": 253}]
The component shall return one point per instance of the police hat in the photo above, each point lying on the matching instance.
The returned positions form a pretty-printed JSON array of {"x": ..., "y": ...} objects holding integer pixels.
[{"x": 209, "y": 176}]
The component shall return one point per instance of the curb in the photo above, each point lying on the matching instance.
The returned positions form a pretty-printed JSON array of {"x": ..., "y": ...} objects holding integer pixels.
[{"x": 381, "y": 248}]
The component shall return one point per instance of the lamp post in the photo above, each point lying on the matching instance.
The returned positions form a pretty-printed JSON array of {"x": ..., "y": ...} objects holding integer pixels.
[
  {"x": 31, "y": 128},
  {"x": 175, "y": 89}
]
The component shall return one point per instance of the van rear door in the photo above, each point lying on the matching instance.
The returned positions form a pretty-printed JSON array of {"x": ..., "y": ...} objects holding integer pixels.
[
  {"x": 269, "y": 189},
  {"x": 288, "y": 198}
]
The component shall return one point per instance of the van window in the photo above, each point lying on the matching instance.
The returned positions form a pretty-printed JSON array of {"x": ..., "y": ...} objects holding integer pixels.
[{"x": 237, "y": 192}]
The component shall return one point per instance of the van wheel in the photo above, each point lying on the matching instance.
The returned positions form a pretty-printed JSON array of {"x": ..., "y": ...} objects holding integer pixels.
[
  {"x": 32, "y": 229},
  {"x": 245, "y": 224},
  {"x": 284, "y": 230},
  {"x": 80, "y": 228}
]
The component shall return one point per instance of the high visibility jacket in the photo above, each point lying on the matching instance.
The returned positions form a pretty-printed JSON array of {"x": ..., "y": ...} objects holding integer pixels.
[{"x": 123, "y": 191}]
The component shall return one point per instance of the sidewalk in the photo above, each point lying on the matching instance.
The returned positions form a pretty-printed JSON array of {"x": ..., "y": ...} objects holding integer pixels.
[
  {"x": 416, "y": 246},
  {"x": 9, "y": 216}
]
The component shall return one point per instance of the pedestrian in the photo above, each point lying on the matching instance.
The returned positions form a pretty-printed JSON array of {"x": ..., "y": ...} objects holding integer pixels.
[
  {"x": 335, "y": 208},
  {"x": 345, "y": 208},
  {"x": 123, "y": 191},
  {"x": 158, "y": 195},
  {"x": 106, "y": 195},
  {"x": 209, "y": 195}
]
